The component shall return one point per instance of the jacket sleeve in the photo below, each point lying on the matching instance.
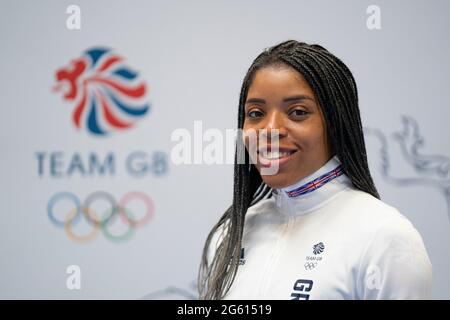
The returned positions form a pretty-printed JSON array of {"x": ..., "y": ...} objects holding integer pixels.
[{"x": 395, "y": 264}]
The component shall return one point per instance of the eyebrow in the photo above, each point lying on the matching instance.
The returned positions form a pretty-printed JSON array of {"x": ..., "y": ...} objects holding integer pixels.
[{"x": 300, "y": 97}]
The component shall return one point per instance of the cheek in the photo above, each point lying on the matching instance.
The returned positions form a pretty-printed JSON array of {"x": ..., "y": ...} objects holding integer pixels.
[
  {"x": 249, "y": 135},
  {"x": 310, "y": 137},
  {"x": 245, "y": 136},
  {"x": 317, "y": 142}
]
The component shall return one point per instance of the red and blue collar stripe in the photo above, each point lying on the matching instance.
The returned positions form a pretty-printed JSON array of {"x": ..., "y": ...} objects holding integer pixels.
[{"x": 316, "y": 183}]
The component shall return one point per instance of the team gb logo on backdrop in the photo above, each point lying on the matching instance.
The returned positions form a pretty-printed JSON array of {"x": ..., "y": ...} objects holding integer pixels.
[{"x": 107, "y": 95}]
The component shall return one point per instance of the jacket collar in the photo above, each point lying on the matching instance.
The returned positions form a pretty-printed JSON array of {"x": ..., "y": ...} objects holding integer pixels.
[{"x": 312, "y": 191}]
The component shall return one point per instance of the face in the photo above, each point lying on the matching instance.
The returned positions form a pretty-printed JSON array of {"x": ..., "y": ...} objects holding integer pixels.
[{"x": 281, "y": 102}]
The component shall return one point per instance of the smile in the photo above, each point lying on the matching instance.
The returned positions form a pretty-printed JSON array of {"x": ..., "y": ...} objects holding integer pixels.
[
  {"x": 269, "y": 158},
  {"x": 273, "y": 155}
]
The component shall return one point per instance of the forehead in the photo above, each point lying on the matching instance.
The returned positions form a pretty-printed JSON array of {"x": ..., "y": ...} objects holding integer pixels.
[{"x": 278, "y": 81}]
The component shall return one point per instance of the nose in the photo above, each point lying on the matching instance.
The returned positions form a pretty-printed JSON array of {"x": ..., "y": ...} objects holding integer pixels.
[{"x": 275, "y": 125}]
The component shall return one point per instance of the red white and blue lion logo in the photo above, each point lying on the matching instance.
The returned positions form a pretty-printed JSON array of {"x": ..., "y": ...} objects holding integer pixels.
[{"x": 107, "y": 94}]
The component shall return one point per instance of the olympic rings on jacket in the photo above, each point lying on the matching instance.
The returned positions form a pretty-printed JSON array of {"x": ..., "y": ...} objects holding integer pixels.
[
  {"x": 101, "y": 222},
  {"x": 310, "y": 265}
]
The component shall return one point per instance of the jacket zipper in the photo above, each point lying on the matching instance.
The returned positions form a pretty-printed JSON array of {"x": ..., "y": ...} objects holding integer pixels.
[{"x": 272, "y": 261}]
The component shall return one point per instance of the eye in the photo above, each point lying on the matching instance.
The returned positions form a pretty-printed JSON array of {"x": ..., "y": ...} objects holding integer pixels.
[
  {"x": 255, "y": 113},
  {"x": 298, "y": 113}
]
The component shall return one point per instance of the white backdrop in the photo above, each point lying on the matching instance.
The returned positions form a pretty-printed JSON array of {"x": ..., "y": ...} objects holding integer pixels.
[{"x": 193, "y": 55}]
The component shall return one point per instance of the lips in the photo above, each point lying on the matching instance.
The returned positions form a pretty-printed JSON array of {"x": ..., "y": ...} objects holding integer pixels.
[{"x": 268, "y": 157}]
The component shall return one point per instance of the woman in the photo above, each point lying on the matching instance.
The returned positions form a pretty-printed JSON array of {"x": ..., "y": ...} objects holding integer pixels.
[{"x": 315, "y": 229}]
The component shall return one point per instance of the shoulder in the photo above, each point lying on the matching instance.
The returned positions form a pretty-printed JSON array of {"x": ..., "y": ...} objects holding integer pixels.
[
  {"x": 393, "y": 255},
  {"x": 371, "y": 215},
  {"x": 395, "y": 264},
  {"x": 382, "y": 224}
]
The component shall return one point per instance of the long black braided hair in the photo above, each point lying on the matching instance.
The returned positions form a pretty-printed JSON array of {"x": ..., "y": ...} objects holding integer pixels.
[{"x": 334, "y": 86}]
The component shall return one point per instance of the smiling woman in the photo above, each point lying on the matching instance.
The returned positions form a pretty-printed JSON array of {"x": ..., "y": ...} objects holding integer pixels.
[
  {"x": 315, "y": 228},
  {"x": 281, "y": 99}
]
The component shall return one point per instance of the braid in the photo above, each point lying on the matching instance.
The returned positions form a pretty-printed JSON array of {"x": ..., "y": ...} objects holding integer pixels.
[{"x": 335, "y": 88}]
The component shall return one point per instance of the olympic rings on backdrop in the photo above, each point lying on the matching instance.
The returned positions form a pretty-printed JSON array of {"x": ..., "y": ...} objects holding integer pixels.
[
  {"x": 105, "y": 220},
  {"x": 73, "y": 215},
  {"x": 150, "y": 208},
  {"x": 77, "y": 238}
]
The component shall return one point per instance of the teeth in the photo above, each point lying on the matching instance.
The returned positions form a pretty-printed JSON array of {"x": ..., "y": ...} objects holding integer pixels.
[{"x": 275, "y": 154}]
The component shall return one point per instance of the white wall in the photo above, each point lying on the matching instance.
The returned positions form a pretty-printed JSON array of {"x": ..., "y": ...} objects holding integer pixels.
[{"x": 193, "y": 56}]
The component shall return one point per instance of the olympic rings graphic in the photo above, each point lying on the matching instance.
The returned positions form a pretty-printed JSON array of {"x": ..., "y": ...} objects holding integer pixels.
[
  {"x": 310, "y": 265},
  {"x": 100, "y": 222}
]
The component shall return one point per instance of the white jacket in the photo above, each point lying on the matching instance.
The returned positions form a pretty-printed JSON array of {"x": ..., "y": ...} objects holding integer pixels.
[{"x": 329, "y": 241}]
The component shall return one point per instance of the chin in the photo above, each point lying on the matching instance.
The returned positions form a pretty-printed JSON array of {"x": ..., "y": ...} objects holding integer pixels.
[{"x": 277, "y": 181}]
